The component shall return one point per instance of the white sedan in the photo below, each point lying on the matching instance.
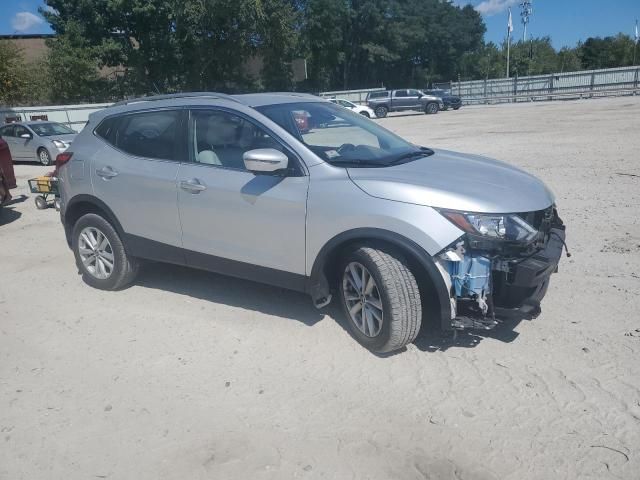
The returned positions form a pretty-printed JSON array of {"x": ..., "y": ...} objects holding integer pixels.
[{"x": 361, "y": 109}]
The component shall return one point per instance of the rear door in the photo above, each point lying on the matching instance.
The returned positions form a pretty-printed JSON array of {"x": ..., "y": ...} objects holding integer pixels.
[
  {"x": 234, "y": 221},
  {"x": 8, "y": 135},
  {"x": 135, "y": 175}
]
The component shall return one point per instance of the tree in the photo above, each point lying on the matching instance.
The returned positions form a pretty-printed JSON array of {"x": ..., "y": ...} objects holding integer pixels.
[
  {"x": 12, "y": 83},
  {"x": 608, "y": 52}
]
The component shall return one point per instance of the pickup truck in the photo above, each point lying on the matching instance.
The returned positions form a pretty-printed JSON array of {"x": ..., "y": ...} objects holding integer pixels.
[{"x": 400, "y": 100}]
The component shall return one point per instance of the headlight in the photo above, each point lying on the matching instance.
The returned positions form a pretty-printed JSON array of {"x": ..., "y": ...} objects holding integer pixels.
[
  {"x": 507, "y": 227},
  {"x": 59, "y": 144}
]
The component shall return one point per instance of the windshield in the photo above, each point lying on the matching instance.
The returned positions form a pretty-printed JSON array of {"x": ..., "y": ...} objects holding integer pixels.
[
  {"x": 49, "y": 129},
  {"x": 342, "y": 137}
]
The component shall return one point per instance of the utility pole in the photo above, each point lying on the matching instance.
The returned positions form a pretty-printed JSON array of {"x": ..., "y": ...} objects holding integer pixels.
[
  {"x": 509, "y": 31},
  {"x": 527, "y": 11}
]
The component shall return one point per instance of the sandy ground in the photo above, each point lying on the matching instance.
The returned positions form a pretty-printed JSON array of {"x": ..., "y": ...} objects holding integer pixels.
[{"x": 188, "y": 375}]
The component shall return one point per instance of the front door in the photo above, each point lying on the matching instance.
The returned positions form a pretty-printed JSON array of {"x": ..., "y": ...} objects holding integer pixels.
[
  {"x": 23, "y": 146},
  {"x": 234, "y": 221}
]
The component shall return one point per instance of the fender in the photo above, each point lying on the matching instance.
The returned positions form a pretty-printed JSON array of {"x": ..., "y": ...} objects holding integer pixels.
[
  {"x": 96, "y": 202},
  {"x": 318, "y": 284}
]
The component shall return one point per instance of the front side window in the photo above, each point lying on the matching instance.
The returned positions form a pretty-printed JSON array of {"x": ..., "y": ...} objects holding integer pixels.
[
  {"x": 340, "y": 136},
  {"x": 147, "y": 134},
  {"x": 49, "y": 129},
  {"x": 20, "y": 130},
  {"x": 221, "y": 138}
]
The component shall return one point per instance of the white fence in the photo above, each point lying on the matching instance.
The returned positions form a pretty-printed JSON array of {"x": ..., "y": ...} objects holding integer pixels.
[{"x": 74, "y": 116}]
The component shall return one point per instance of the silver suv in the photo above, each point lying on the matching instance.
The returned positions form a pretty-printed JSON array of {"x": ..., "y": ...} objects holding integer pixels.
[{"x": 294, "y": 191}]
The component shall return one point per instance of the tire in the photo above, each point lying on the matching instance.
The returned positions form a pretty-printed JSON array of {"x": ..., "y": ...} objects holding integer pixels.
[
  {"x": 456, "y": 108},
  {"x": 41, "y": 203},
  {"x": 366, "y": 114},
  {"x": 44, "y": 157},
  {"x": 445, "y": 108},
  {"x": 381, "y": 111},
  {"x": 124, "y": 267},
  {"x": 431, "y": 108},
  {"x": 395, "y": 297}
]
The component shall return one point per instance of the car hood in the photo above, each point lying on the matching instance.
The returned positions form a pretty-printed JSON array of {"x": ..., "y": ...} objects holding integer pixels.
[{"x": 456, "y": 181}]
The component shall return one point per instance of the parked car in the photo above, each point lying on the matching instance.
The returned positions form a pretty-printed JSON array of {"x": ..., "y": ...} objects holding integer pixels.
[
  {"x": 37, "y": 140},
  {"x": 449, "y": 100},
  {"x": 361, "y": 109},
  {"x": 401, "y": 100},
  {"x": 343, "y": 208}
]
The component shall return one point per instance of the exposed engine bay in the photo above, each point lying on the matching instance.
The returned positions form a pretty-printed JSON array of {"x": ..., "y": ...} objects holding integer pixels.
[{"x": 490, "y": 279}]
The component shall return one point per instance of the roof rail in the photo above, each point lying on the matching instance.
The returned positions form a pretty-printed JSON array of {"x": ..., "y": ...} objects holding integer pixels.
[{"x": 154, "y": 98}]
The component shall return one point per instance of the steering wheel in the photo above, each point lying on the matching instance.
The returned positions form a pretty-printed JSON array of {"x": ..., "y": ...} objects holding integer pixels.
[{"x": 345, "y": 147}]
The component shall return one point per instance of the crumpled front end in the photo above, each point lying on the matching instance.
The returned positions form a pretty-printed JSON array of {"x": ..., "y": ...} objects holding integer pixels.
[{"x": 490, "y": 280}]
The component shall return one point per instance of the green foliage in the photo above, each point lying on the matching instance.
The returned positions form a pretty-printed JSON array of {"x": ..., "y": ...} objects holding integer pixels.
[
  {"x": 12, "y": 85},
  {"x": 20, "y": 82},
  {"x": 108, "y": 49}
]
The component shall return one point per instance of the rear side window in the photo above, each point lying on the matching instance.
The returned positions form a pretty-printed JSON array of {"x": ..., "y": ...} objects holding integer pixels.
[
  {"x": 146, "y": 134},
  {"x": 400, "y": 93},
  {"x": 7, "y": 131}
]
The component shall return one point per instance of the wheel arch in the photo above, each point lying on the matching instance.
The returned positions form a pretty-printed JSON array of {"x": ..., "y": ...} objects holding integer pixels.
[
  {"x": 324, "y": 268},
  {"x": 83, "y": 204}
]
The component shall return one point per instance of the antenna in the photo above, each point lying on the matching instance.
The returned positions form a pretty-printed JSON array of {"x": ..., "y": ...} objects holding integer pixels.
[{"x": 527, "y": 11}]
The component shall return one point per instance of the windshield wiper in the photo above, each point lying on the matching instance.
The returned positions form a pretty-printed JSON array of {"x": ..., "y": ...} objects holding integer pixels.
[
  {"x": 423, "y": 152},
  {"x": 356, "y": 161}
]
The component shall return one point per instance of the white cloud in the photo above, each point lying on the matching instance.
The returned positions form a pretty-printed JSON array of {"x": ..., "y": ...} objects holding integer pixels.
[
  {"x": 24, "y": 21},
  {"x": 491, "y": 7}
]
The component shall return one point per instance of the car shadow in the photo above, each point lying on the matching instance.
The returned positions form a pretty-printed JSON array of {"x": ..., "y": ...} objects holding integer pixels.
[
  {"x": 297, "y": 306},
  {"x": 431, "y": 340},
  {"x": 8, "y": 215},
  {"x": 230, "y": 291}
]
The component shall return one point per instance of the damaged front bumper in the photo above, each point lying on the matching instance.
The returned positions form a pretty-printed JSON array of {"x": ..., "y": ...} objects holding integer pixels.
[{"x": 492, "y": 281}]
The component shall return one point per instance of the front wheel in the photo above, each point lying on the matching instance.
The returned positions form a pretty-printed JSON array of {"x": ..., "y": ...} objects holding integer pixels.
[
  {"x": 380, "y": 298},
  {"x": 44, "y": 157},
  {"x": 100, "y": 254},
  {"x": 431, "y": 108},
  {"x": 381, "y": 111},
  {"x": 365, "y": 113}
]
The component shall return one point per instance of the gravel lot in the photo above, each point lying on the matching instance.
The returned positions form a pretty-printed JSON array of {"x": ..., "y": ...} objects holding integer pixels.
[{"x": 189, "y": 375}]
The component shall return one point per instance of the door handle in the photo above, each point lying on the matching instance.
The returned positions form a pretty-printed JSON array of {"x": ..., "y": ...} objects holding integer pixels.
[
  {"x": 192, "y": 186},
  {"x": 106, "y": 172}
]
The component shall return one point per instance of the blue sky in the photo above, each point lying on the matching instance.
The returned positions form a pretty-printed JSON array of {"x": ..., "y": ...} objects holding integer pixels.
[{"x": 565, "y": 21}]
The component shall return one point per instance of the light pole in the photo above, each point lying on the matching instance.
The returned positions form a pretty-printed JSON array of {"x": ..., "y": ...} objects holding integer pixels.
[{"x": 527, "y": 11}]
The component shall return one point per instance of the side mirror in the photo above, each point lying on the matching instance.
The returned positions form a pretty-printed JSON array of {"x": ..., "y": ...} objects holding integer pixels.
[
  {"x": 26, "y": 135},
  {"x": 265, "y": 160}
]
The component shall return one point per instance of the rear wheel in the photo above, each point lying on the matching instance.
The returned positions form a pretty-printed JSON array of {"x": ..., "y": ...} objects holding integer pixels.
[
  {"x": 381, "y": 111},
  {"x": 44, "y": 157},
  {"x": 100, "y": 254},
  {"x": 380, "y": 298},
  {"x": 431, "y": 108}
]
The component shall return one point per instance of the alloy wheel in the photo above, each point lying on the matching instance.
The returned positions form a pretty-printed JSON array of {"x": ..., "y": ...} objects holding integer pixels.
[
  {"x": 363, "y": 299},
  {"x": 96, "y": 253}
]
